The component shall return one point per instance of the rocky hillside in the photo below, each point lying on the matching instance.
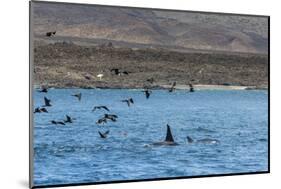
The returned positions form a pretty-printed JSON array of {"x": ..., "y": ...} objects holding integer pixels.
[
  {"x": 152, "y": 27},
  {"x": 70, "y": 65}
]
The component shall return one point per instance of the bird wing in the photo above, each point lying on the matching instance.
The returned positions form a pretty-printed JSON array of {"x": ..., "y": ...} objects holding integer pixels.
[
  {"x": 148, "y": 94},
  {"x": 106, "y": 132},
  {"x": 101, "y": 135},
  {"x": 131, "y": 100},
  {"x": 128, "y": 102},
  {"x": 79, "y": 96},
  {"x": 47, "y": 101},
  {"x": 104, "y": 107},
  {"x": 68, "y": 118}
]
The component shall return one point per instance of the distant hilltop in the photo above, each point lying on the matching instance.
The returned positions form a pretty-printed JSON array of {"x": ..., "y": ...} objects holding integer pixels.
[{"x": 200, "y": 31}]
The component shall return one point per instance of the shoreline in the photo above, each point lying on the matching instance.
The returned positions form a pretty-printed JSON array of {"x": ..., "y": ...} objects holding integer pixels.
[
  {"x": 166, "y": 87},
  {"x": 63, "y": 65}
]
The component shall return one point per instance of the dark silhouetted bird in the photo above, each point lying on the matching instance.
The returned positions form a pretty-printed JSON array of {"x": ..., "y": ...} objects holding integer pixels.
[
  {"x": 111, "y": 117},
  {"x": 117, "y": 71},
  {"x": 40, "y": 110},
  {"x": 101, "y": 120},
  {"x": 49, "y": 34},
  {"x": 100, "y": 107},
  {"x": 191, "y": 89},
  {"x": 43, "y": 90},
  {"x": 47, "y": 101},
  {"x": 147, "y": 93},
  {"x": 103, "y": 135},
  {"x": 37, "y": 110},
  {"x": 68, "y": 119},
  {"x": 128, "y": 101},
  {"x": 78, "y": 96}
]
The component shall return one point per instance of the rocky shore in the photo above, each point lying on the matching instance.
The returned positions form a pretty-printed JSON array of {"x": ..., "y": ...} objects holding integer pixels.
[{"x": 69, "y": 65}]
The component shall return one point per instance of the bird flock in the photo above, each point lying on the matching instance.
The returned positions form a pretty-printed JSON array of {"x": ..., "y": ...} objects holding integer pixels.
[{"x": 107, "y": 117}]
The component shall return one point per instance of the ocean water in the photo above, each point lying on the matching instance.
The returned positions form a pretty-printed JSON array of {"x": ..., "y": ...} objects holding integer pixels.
[{"x": 75, "y": 153}]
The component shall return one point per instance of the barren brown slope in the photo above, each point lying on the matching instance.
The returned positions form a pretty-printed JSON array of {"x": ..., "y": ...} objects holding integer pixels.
[{"x": 70, "y": 65}]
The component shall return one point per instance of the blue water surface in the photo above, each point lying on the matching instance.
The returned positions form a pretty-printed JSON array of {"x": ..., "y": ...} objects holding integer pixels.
[{"x": 75, "y": 153}]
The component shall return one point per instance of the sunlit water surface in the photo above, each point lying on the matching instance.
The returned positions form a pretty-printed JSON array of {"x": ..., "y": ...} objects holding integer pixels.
[{"x": 75, "y": 153}]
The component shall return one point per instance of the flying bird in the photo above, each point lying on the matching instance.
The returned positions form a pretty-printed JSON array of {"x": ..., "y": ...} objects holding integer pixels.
[
  {"x": 191, "y": 89},
  {"x": 49, "y": 34},
  {"x": 100, "y": 107},
  {"x": 43, "y": 90},
  {"x": 147, "y": 93},
  {"x": 116, "y": 71},
  {"x": 68, "y": 119},
  {"x": 111, "y": 117},
  {"x": 128, "y": 101},
  {"x": 173, "y": 87},
  {"x": 40, "y": 110},
  {"x": 37, "y": 110},
  {"x": 78, "y": 96},
  {"x": 103, "y": 135},
  {"x": 101, "y": 120},
  {"x": 47, "y": 101}
]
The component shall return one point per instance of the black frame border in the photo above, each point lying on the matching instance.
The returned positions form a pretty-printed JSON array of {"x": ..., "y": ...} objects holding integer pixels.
[{"x": 31, "y": 185}]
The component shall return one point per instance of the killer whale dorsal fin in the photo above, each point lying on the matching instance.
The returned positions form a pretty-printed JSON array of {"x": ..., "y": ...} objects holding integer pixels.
[{"x": 169, "y": 136}]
